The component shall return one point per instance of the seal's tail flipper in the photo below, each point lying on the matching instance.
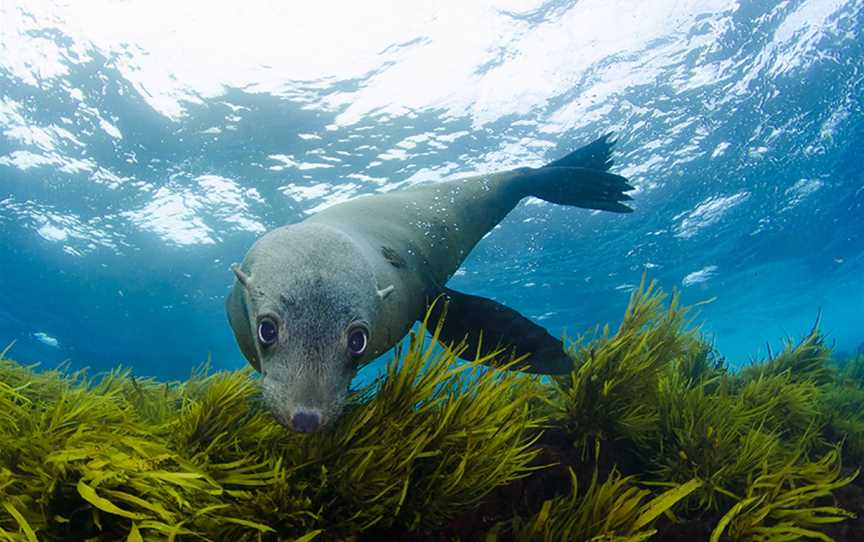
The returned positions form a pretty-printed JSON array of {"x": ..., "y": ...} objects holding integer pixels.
[
  {"x": 595, "y": 155},
  {"x": 580, "y": 179}
]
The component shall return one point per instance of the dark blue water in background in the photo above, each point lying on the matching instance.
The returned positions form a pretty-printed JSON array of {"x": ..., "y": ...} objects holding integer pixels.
[{"x": 142, "y": 154}]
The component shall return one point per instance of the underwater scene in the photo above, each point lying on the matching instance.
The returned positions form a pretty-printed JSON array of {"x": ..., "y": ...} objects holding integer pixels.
[{"x": 501, "y": 270}]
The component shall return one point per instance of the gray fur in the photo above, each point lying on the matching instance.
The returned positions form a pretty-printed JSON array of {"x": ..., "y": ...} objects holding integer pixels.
[
  {"x": 314, "y": 282},
  {"x": 379, "y": 260}
]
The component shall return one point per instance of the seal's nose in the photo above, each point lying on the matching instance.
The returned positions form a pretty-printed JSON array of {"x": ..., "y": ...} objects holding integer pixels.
[{"x": 306, "y": 422}]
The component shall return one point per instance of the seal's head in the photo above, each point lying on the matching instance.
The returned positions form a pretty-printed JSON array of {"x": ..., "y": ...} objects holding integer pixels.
[{"x": 302, "y": 309}]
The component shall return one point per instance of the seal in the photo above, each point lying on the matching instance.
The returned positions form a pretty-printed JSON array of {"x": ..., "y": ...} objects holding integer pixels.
[{"x": 314, "y": 301}]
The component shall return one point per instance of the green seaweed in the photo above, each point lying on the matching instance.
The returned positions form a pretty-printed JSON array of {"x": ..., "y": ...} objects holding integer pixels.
[
  {"x": 840, "y": 408},
  {"x": 850, "y": 371},
  {"x": 805, "y": 361},
  {"x": 614, "y": 510},
  {"x": 123, "y": 457},
  {"x": 651, "y": 422},
  {"x": 611, "y": 393},
  {"x": 715, "y": 437},
  {"x": 781, "y": 504}
]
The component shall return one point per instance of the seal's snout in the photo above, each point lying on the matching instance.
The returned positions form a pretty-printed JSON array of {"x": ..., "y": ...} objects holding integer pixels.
[
  {"x": 299, "y": 404},
  {"x": 306, "y": 422}
]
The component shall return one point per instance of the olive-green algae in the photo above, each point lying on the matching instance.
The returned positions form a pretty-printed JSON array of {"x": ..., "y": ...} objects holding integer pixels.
[
  {"x": 656, "y": 427},
  {"x": 841, "y": 407},
  {"x": 613, "y": 510},
  {"x": 120, "y": 457}
]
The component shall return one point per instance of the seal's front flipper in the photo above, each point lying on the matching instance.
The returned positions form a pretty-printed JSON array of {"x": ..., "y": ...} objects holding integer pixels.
[
  {"x": 467, "y": 316},
  {"x": 238, "y": 317}
]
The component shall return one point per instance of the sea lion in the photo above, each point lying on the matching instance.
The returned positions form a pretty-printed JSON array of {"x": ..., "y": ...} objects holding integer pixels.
[{"x": 314, "y": 301}]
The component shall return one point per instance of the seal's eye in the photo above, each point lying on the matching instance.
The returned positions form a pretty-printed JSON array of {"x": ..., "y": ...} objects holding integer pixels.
[
  {"x": 267, "y": 331},
  {"x": 358, "y": 339}
]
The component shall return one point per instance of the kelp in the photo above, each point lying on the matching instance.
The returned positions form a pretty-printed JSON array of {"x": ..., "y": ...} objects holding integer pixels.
[
  {"x": 120, "y": 457},
  {"x": 849, "y": 371},
  {"x": 651, "y": 431},
  {"x": 713, "y": 437},
  {"x": 782, "y": 504},
  {"x": 458, "y": 443},
  {"x": 611, "y": 393},
  {"x": 658, "y": 392},
  {"x": 805, "y": 361},
  {"x": 841, "y": 411},
  {"x": 793, "y": 404},
  {"x": 615, "y": 510},
  {"x": 723, "y": 432}
]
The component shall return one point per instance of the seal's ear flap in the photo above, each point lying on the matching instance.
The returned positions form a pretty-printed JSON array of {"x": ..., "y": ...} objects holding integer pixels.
[
  {"x": 382, "y": 294},
  {"x": 241, "y": 323}
]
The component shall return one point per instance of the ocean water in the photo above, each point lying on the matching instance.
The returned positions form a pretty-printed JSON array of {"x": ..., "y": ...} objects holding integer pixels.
[{"x": 144, "y": 147}]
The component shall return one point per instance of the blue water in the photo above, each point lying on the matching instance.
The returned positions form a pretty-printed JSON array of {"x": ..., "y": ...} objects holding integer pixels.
[{"x": 143, "y": 151}]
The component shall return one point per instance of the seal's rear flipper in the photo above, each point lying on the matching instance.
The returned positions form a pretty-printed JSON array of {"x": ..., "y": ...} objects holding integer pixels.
[
  {"x": 577, "y": 186},
  {"x": 579, "y": 179},
  {"x": 468, "y": 317},
  {"x": 595, "y": 155}
]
